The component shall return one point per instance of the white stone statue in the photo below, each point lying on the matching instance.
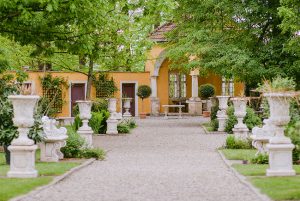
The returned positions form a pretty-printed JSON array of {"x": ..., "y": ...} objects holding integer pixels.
[
  {"x": 221, "y": 114},
  {"x": 85, "y": 114},
  {"x": 240, "y": 130},
  {"x": 54, "y": 140},
  {"x": 22, "y": 149}
]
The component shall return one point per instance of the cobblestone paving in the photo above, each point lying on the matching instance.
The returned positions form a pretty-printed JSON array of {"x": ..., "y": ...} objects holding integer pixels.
[{"x": 162, "y": 160}]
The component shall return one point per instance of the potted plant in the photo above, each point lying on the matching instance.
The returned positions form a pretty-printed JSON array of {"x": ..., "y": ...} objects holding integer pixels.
[
  {"x": 206, "y": 91},
  {"x": 144, "y": 91}
]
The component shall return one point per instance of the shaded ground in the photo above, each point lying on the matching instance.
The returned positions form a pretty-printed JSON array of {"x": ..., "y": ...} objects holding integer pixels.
[{"x": 162, "y": 160}]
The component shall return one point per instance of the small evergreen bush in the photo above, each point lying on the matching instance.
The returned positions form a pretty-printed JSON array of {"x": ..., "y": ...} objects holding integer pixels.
[
  {"x": 98, "y": 154},
  {"x": 260, "y": 159},
  {"x": 123, "y": 128},
  {"x": 206, "y": 91},
  {"x": 74, "y": 144},
  {"x": 234, "y": 143}
]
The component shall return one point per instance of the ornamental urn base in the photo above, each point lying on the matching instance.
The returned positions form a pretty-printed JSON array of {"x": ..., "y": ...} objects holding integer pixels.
[
  {"x": 22, "y": 164},
  {"x": 112, "y": 125},
  {"x": 195, "y": 107},
  {"x": 222, "y": 123},
  {"x": 241, "y": 133},
  {"x": 280, "y": 160}
]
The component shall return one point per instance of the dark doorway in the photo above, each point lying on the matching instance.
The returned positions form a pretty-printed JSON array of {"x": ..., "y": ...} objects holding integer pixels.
[
  {"x": 128, "y": 91},
  {"x": 77, "y": 93}
]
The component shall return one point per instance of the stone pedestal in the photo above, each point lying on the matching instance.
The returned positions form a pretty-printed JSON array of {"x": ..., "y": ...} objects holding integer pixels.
[
  {"x": 155, "y": 106},
  {"x": 195, "y": 106},
  {"x": 112, "y": 125},
  {"x": 22, "y": 149},
  {"x": 240, "y": 130},
  {"x": 50, "y": 150},
  {"x": 280, "y": 159},
  {"x": 221, "y": 114},
  {"x": 22, "y": 161},
  {"x": 85, "y": 114}
]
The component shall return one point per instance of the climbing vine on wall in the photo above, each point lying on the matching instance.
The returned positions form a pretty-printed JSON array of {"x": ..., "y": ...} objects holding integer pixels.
[
  {"x": 53, "y": 93},
  {"x": 105, "y": 86}
]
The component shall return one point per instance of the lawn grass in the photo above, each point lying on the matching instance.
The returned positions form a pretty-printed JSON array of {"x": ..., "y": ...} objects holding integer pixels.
[
  {"x": 239, "y": 154},
  {"x": 208, "y": 127},
  {"x": 12, "y": 187},
  {"x": 279, "y": 188},
  {"x": 257, "y": 169}
]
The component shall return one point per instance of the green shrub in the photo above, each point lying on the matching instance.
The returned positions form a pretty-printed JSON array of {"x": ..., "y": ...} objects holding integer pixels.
[
  {"x": 99, "y": 105},
  {"x": 234, "y": 143},
  {"x": 144, "y": 91},
  {"x": 293, "y": 131},
  {"x": 123, "y": 128},
  {"x": 97, "y": 121},
  {"x": 214, "y": 111},
  {"x": 260, "y": 159},
  {"x": 98, "y": 154},
  {"x": 214, "y": 124},
  {"x": 130, "y": 122},
  {"x": 206, "y": 91},
  {"x": 251, "y": 119},
  {"x": 74, "y": 144}
]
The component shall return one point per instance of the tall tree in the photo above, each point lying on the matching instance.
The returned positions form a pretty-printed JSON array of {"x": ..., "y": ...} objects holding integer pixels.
[{"x": 233, "y": 38}]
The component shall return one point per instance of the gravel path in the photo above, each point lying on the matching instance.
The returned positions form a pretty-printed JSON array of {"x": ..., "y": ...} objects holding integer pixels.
[{"x": 162, "y": 160}]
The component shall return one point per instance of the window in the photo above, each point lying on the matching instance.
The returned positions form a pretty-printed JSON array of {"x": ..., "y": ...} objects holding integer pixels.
[
  {"x": 177, "y": 85},
  {"x": 227, "y": 87}
]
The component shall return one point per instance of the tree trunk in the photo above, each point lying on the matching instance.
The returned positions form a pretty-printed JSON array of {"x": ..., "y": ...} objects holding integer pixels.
[
  {"x": 7, "y": 154},
  {"x": 90, "y": 79}
]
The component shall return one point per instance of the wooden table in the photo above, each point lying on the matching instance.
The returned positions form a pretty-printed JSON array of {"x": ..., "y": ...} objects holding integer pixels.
[{"x": 166, "y": 109}]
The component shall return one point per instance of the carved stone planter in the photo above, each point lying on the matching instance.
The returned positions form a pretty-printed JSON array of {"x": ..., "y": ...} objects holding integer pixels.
[
  {"x": 112, "y": 121},
  {"x": 221, "y": 115},
  {"x": 22, "y": 149},
  {"x": 240, "y": 130},
  {"x": 85, "y": 114},
  {"x": 126, "y": 105},
  {"x": 280, "y": 147},
  {"x": 55, "y": 139}
]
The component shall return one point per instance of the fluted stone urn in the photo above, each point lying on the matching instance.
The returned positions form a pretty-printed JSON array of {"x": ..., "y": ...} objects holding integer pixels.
[
  {"x": 126, "y": 105},
  {"x": 221, "y": 114},
  {"x": 280, "y": 147},
  {"x": 22, "y": 149},
  {"x": 240, "y": 130},
  {"x": 85, "y": 114},
  {"x": 112, "y": 121}
]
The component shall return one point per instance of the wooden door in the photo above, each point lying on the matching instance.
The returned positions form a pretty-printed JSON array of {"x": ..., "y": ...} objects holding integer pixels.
[
  {"x": 77, "y": 93},
  {"x": 128, "y": 91}
]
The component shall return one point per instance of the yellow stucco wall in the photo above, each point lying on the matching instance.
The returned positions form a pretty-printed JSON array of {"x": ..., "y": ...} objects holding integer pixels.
[
  {"x": 152, "y": 56},
  {"x": 142, "y": 78}
]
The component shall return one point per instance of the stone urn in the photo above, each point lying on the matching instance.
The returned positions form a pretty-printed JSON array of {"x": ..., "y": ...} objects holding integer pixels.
[
  {"x": 22, "y": 149},
  {"x": 221, "y": 114},
  {"x": 112, "y": 107},
  {"x": 280, "y": 147},
  {"x": 240, "y": 130},
  {"x": 126, "y": 105},
  {"x": 85, "y": 114}
]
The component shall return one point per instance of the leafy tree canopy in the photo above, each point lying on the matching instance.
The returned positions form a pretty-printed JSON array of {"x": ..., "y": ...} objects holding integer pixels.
[{"x": 245, "y": 39}]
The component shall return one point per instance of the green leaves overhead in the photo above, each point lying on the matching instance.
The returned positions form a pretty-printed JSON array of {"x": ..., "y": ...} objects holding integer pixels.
[{"x": 243, "y": 39}]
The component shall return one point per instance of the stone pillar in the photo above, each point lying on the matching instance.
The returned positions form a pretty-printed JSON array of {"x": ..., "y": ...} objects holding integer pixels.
[
  {"x": 280, "y": 147},
  {"x": 240, "y": 130},
  {"x": 112, "y": 121},
  {"x": 22, "y": 149},
  {"x": 155, "y": 104},
  {"x": 221, "y": 115},
  {"x": 85, "y": 114},
  {"x": 195, "y": 104}
]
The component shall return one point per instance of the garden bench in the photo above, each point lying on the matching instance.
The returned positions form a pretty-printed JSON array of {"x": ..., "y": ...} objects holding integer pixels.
[
  {"x": 54, "y": 140},
  {"x": 166, "y": 109}
]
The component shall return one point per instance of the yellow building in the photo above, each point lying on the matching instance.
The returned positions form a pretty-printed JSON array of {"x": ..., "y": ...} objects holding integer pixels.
[{"x": 168, "y": 87}]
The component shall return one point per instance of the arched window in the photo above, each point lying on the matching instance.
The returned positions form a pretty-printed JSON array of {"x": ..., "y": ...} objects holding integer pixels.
[{"x": 177, "y": 85}]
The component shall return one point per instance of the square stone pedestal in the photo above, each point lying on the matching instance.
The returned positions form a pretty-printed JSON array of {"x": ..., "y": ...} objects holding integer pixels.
[
  {"x": 112, "y": 125},
  {"x": 241, "y": 133},
  {"x": 280, "y": 160},
  {"x": 22, "y": 162},
  {"x": 88, "y": 137},
  {"x": 195, "y": 107},
  {"x": 155, "y": 106}
]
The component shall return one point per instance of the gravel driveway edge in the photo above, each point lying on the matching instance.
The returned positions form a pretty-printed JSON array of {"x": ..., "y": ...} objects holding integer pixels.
[{"x": 55, "y": 180}]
